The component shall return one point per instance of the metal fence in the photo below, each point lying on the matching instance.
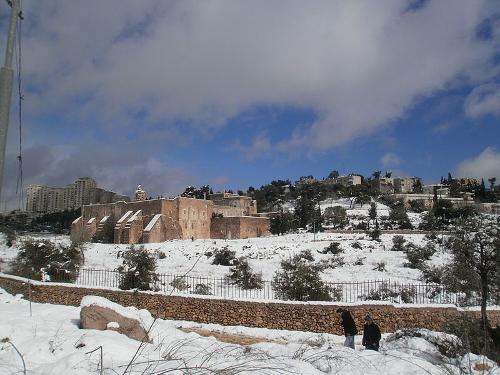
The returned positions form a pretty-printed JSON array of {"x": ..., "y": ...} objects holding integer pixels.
[{"x": 377, "y": 290}]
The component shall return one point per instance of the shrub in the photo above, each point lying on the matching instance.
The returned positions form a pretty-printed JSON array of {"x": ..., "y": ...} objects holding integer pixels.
[
  {"x": 473, "y": 338},
  {"x": 356, "y": 245},
  {"x": 204, "y": 289},
  {"x": 432, "y": 274},
  {"x": 241, "y": 274},
  {"x": 382, "y": 293},
  {"x": 362, "y": 226},
  {"x": 417, "y": 255},
  {"x": 398, "y": 243},
  {"x": 299, "y": 280},
  {"x": 408, "y": 294},
  {"x": 331, "y": 263},
  {"x": 380, "y": 266},
  {"x": 162, "y": 255},
  {"x": 179, "y": 283},
  {"x": 10, "y": 235},
  {"x": 336, "y": 216},
  {"x": 359, "y": 261},
  {"x": 334, "y": 248},
  {"x": 224, "y": 257},
  {"x": 138, "y": 269},
  {"x": 44, "y": 260}
]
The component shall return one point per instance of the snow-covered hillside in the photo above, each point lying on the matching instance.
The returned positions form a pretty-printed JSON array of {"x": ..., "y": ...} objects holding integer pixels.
[{"x": 50, "y": 342}]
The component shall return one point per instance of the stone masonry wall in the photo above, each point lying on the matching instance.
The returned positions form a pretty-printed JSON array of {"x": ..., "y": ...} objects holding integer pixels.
[{"x": 289, "y": 316}]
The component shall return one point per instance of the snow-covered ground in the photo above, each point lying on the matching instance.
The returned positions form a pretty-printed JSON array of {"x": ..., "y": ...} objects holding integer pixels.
[
  {"x": 50, "y": 342},
  {"x": 361, "y": 256}
]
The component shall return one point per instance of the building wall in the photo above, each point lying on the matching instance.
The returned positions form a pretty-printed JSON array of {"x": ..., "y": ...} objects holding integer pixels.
[
  {"x": 277, "y": 315},
  {"x": 194, "y": 217},
  {"x": 239, "y": 227}
]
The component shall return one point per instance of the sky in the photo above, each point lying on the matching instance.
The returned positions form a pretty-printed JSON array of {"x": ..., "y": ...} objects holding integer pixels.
[{"x": 236, "y": 93}]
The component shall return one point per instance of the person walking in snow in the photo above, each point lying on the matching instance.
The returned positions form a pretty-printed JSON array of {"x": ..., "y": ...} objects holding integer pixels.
[
  {"x": 349, "y": 326},
  {"x": 371, "y": 334}
]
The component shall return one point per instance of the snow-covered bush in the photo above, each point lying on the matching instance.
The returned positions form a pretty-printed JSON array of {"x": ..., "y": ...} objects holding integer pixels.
[
  {"x": 380, "y": 266},
  {"x": 298, "y": 279},
  {"x": 204, "y": 289},
  {"x": 241, "y": 274},
  {"x": 382, "y": 293},
  {"x": 138, "y": 269},
  {"x": 179, "y": 283},
  {"x": 334, "y": 248},
  {"x": 44, "y": 260},
  {"x": 224, "y": 257},
  {"x": 417, "y": 255},
  {"x": 356, "y": 245},
  {"x": 432, "y": 274},
  {"x": 107, "y": 233},
  {"x": 408, "y": 294}
]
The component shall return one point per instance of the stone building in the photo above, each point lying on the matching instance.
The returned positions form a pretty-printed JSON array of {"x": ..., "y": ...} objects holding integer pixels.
[{"x": 157, "y": 220}]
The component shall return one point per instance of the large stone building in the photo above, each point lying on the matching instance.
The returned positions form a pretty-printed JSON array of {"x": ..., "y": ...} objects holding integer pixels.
[
  {"x": 224, "y": 216},
  {"x": 45, "y": 199}
]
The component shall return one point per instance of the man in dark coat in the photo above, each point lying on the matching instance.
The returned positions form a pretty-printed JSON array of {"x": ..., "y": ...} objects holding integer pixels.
[
  {"x": 349, "y": 326},
  {"x": 371, "y": 334}
]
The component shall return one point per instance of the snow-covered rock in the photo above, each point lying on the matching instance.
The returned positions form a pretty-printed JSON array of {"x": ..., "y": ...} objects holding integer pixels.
[{"x": 102, "y": 314}]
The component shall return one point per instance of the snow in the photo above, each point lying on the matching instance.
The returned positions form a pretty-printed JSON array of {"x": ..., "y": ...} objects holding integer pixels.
[
  {"x": 125, "y": 215},
  {"x": 51, "y": 342},
  {"x": 103, "y": 220},
  {"x": 134, "y": 217},
  {"x": 112, "y": 325},
  {"x": 152, "y": 223}
]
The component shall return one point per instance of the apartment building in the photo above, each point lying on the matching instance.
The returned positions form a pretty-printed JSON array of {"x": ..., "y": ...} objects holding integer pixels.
[{"x": 46, "y": 199}]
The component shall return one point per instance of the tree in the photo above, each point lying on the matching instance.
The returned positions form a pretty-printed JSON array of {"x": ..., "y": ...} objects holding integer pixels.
[
  {"x": 362, "y": 199},
  {"x": 375, "y": 233},
  {"x": 373, "y": 211},
  {"x": 417, "y": 186},
  {"x": 399, "y": 216},
  {"x": 305, "y": 210},
  {"x": 475, "y": 250},
  {"x": 333, "y": 174},
  {"x": 283, "y": 222},
  {"x": 376, "y": 174},
  {"x": 242, "y": 274},
  {"x": 298, "y": 279},
  {"x": 388, "y": 174},
  {"x": 336, "y": 216},
  {"x": 45, "y": 260},
  {"x": 138, "y": 269},
  {"x": 107, "y": 233},
  {"x": 492, "y": 181}
]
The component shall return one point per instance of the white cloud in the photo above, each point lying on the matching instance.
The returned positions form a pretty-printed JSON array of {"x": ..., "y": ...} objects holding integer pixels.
[
  {"x": 260, "y": 146},
  {"x": 485, "y": 165},
  {"x": 390, "y": 160},
  {"x": 483, "y": 100},
  {"x": 357, "y": 64}
]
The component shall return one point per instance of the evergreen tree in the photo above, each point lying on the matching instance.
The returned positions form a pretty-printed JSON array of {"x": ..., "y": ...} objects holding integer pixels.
[{"x": 373, "y": 211}]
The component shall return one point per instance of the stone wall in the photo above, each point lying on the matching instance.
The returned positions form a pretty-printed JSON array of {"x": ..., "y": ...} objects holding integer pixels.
[
  {"x": 239, "y": 227},
  {"x": 291, "y": 316}
]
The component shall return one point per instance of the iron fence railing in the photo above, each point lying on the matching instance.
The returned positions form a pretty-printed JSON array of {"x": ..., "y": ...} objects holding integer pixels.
[{"x": 376, "y": 290}]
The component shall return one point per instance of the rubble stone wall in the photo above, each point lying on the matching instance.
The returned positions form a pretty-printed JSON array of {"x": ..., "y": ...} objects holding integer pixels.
[{"x": 290, "y": 316}]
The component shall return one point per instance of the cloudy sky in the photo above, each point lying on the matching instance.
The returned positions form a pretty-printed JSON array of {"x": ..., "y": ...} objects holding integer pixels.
[{"x": 238, "y": 93}]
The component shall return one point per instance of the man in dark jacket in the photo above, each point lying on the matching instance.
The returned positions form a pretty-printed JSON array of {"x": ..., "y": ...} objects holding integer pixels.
[
  {"x": 371, "y": 334},
  {"x": 349, "y": 326}
]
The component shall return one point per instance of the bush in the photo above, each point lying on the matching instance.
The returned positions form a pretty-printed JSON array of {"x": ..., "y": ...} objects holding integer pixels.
[
  {"x": 10, "y": 235},
  {"x": 359, "y": 261},
  {"x": 362, "y": 226},
  {"x": 432, "y": 274},
  {"x": 398, "y": 243},
  {"x": 356, "y": 245},
  {"x": 417, "y": 255},
  {"x": 224, "y": 257},
  {"x": 283, "y": 222},
  {"x": 241, "y": 274},
  {"x": 382, "y": 293},
  {"x": 44, "y": 260},
  {"x": 138, "y": 270},
  {"x": 408, "y": 294},
  {"x": 179, "y": 283},
  {"x": 334, "y": 248},
  {"x": 204, "y": 289},
  {"x": 162, "y": 255},
  {"x": 299, "y": 280},
  {"x": 331, "y": 263},
  {"x": 336, "y": 216},
  {"x": 380, "y": 266},
  {"x": 473, "y": 338}
]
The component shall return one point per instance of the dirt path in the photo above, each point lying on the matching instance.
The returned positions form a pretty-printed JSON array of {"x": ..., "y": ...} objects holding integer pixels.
[{"x": 231, "y": 338}]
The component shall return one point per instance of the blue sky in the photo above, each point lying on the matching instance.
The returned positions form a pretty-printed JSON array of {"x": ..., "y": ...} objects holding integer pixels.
[{"x": 234, "y": 93}]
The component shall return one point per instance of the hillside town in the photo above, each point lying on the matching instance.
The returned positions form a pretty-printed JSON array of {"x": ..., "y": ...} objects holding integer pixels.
[{"x": 258, "y": 187}]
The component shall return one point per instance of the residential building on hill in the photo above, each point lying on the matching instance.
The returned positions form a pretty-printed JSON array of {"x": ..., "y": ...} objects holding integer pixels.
[{"x": 45, "y": 199}]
